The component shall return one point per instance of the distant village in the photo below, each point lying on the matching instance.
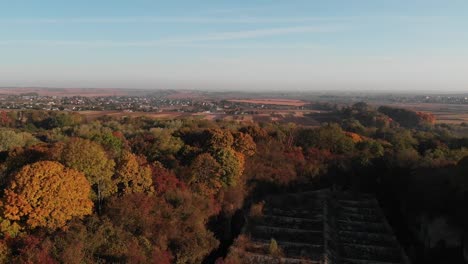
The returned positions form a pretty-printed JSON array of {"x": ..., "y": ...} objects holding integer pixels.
[
  {"x": 207, "y": 104},
  {"x": 34, "y": 101}
]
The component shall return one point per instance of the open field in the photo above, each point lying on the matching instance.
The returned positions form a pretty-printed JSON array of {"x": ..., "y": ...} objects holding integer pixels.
[
  {"x": 444, "y": 113},
  {"x": 185, "y": 95},
  {"x": 452, "y": 118},
  {"x": 286, "y": 102}
]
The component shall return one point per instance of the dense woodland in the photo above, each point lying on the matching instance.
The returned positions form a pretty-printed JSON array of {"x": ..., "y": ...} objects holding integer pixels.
[{"x": 141, "y": 190}]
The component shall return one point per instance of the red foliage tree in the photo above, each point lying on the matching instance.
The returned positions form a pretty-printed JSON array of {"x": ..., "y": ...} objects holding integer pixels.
[
  {"x": 32, "y": 250},
  {"x": 165, "y": 180}
]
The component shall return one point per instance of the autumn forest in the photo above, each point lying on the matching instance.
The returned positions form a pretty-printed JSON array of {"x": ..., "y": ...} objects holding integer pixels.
[{"x": 145, "y": 190}]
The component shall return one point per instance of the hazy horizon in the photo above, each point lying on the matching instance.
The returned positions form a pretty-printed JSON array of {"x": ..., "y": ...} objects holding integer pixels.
[{"x": 417, "y": 46}]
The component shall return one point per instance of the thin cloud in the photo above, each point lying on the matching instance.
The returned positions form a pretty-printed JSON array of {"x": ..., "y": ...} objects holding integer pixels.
[
  {"x": 168, "y": 20},
  {"x": 223, "y": 36},
  {"x": 87, "y": 43},
  {"x": 214, "y": 20},
  {"x": 257, "y": 33},
  {"x": 239, "y": 10}
]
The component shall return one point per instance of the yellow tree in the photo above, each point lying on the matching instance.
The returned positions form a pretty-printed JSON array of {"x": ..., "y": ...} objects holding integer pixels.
[
  {"x": 205, "y": 175},
  {"x": 46, "y": 194},
  {"x": 133, "y": 177},
  {"x": 220, "y": 144}
]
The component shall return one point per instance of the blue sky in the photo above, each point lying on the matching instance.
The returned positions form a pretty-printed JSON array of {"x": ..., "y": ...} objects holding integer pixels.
[{"x": 281, "y": 45}]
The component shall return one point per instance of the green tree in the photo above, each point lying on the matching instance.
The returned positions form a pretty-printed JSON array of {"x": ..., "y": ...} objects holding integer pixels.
[
  {"x": 111, "y": 143},
  {"x": 371, "y": 148},
  {"x": 232, "y": 165},
  {"x": 91, "y": 159},
  {"x": 9, "y": 139},
  {"x": 329, "y": 137},
  {"x": 158, "y": 145},
  {"x": 61, "y": 119}
]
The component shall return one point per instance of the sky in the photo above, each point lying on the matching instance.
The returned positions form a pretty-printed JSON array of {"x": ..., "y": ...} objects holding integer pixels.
[{"x": 381, "y": 45}]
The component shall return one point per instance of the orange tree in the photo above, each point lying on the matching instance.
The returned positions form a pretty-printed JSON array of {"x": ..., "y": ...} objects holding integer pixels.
[{"x": 46, "y": 194}]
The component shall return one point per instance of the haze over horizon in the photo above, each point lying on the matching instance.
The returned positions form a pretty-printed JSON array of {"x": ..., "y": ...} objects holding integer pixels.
[{"x": 246, "y": 45}]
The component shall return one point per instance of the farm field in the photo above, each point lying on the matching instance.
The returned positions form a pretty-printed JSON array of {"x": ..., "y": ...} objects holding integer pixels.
[
  {"x": 68, "y": 91},
  {"x": 286, "y": 102}
]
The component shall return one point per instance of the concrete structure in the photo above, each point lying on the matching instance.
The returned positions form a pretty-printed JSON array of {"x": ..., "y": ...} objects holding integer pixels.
[{"x": 320, "y": 227}]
